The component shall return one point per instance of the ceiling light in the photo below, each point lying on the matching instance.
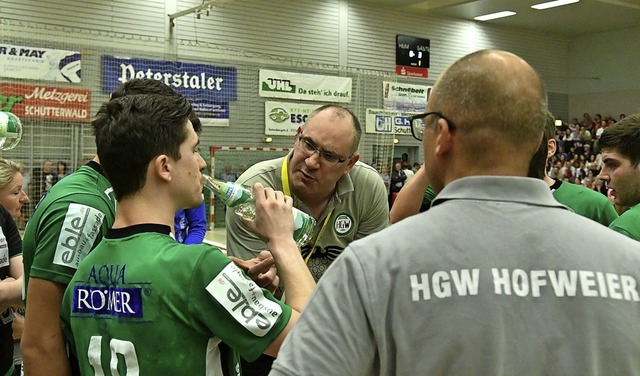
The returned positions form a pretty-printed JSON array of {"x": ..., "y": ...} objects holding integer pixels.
[
  {"x": 493, "y": 16},
  {"x": 553, "y": 4}
]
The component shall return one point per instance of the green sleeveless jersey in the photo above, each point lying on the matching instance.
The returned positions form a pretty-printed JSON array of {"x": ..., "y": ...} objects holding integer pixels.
[
  {"x": 142, "y": 303},
  {"x": 67, "y": 224},
  {"x": 585, "y": 202}
]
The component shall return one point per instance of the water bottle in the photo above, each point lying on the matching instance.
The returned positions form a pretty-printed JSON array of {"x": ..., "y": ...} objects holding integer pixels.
[
  {"x": 10, "y": 130},
  {"x": 243, "y": 203}
]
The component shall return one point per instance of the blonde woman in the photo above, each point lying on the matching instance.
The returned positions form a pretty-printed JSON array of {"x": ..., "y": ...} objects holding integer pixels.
[{"x": 12, "y": 197}]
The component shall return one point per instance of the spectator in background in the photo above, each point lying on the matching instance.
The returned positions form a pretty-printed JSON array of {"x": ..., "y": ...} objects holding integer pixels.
[
  {"x": 228, "y": 175},
  {"x": 574, "y": 124},
  {"x": 414, "y": 197},
  {"x": 586, "y": 120},
  {"x": 398, "y": 178},
  {"x": 404, "y": 161},
  {"x": 408, "y": 172},
  {"x": 241, "y": 169},
  {"x": 597, "y": 120},
  {"x": 42, "y": 179},
  {"x": 585, "y": 135},
  {"x": 386, "y": 178},
  {"x": 587, "y": 153},
  {"x": 620, "y": 145},
  {"x": 62, "y": 170}
]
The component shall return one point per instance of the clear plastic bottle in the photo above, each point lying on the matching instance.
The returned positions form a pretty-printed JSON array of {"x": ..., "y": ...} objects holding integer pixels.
[
  {"x": 240, "y": 199},
  {"x": 10, "y": 130}
]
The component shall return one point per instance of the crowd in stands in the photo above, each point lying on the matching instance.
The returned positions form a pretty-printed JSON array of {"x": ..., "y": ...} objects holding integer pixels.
[{"x": 577, "y": 159}]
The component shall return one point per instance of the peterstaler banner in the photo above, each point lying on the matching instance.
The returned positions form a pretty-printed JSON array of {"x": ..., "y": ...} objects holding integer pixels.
[
  {"x": 388, "y": 121},
  {"x": 284, "y": 118},
  {"x": 45, "y": 102},
  {"x": 191, "y": 80},
  {"x": 209, "y": 88},
  {"x": 309, "y": 87},
  {"x": 405, "y": 97},
  {"x": 36, "y": 63}
]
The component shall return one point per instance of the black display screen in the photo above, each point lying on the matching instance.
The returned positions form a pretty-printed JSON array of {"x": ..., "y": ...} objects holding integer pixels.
[{"x": 412, "y": 51}]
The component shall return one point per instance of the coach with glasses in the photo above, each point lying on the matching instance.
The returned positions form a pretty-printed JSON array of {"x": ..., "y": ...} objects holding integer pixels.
[{"x": 323, "y": 175}]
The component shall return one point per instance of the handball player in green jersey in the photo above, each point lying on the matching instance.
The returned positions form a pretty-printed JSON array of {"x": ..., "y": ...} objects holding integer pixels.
[{"x": 142, "y": 303}]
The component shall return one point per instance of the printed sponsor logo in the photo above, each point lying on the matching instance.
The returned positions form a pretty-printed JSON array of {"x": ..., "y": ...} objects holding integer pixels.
[
  {"x": 108, "y": 300},
  {"x": 52, "y": 94},
  {"x": 244, "y": 300},
  {"x": 343, "y": 224},
  {"x": 404, "y": 89},
  {"x": 79, "y": 231},
  {"x": 279, "y": 115},
  {"x": 23, "y": 52},
  {"x": 200, "y": 81},
  {"x": 278, "y": 85}
]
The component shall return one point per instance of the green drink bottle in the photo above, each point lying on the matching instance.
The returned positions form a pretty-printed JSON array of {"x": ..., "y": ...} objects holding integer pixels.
[
  {"x": 10, "y": 130},
  {"x": 243, "y": 203}
]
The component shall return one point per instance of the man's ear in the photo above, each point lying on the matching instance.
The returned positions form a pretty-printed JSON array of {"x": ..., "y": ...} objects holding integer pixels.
[
  {"x": 351, "y": 162},
  {"x": 162, "y": 167},
  {"x": 444, "y": 138},
  {"x": 551, "y": 147}
]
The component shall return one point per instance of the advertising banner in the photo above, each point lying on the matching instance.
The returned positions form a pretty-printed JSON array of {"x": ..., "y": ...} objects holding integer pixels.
[
  {"x": 214, "y": 114},
  {"x": 284, "y": 118},
  {"x": 36, "y": 63},
  {"x": 193, "y": 81},
  {"x": 388, "y": 121},
  {"x": 45, "y": 102},
  {"x": 310, "y": 87},
  {"x": 208, "y": 88},
  {"x": 405, "y": 97}
]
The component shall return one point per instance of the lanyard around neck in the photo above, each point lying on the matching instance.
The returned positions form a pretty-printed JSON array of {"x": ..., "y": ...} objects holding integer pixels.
[{"x": 284, "y": 175}]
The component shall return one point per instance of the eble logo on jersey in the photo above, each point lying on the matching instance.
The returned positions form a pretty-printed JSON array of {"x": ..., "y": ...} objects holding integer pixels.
[
  {"x": 244, "y": 300},
  {"x": 79, "y": 231}
]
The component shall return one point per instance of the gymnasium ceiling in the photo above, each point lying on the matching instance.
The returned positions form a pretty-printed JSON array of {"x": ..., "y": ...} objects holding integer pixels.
[{"x": 585, "y": 17}]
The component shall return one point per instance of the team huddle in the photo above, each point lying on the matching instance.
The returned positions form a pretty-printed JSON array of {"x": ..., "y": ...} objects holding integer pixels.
[{"x": 491, "y": 264}]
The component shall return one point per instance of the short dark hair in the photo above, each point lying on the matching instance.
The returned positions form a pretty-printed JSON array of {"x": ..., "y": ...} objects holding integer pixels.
[
  {"x": 134, "y": 129},
  {"x": 151, "y": 86},
  {"x": 624, "y": 137},
  {"x": 341, "y": 112}
]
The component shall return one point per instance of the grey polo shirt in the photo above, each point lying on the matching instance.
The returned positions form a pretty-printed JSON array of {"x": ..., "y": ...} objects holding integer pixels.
[
  {"x": 358, "y": 208},
  {"x": 497, "y": 278}
]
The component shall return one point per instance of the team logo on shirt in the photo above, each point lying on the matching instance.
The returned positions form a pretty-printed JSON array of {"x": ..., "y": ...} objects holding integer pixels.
[
  {"x": 102, "y": 293},
  {"x": 244, "y": 300},
  {"x": 79, "y": 231},
  {"x": 343, "y": 225},
  {"x": 108, "y": 300}
]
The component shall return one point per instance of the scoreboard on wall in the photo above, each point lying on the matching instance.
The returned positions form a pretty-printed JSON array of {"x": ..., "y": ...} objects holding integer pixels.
[{"x": 412, "y": 56}]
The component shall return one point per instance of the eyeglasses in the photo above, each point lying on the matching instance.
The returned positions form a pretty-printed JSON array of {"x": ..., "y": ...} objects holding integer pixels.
[
  {"x": 310, "y": 148},
  {"x": 418, "y": 124}
]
